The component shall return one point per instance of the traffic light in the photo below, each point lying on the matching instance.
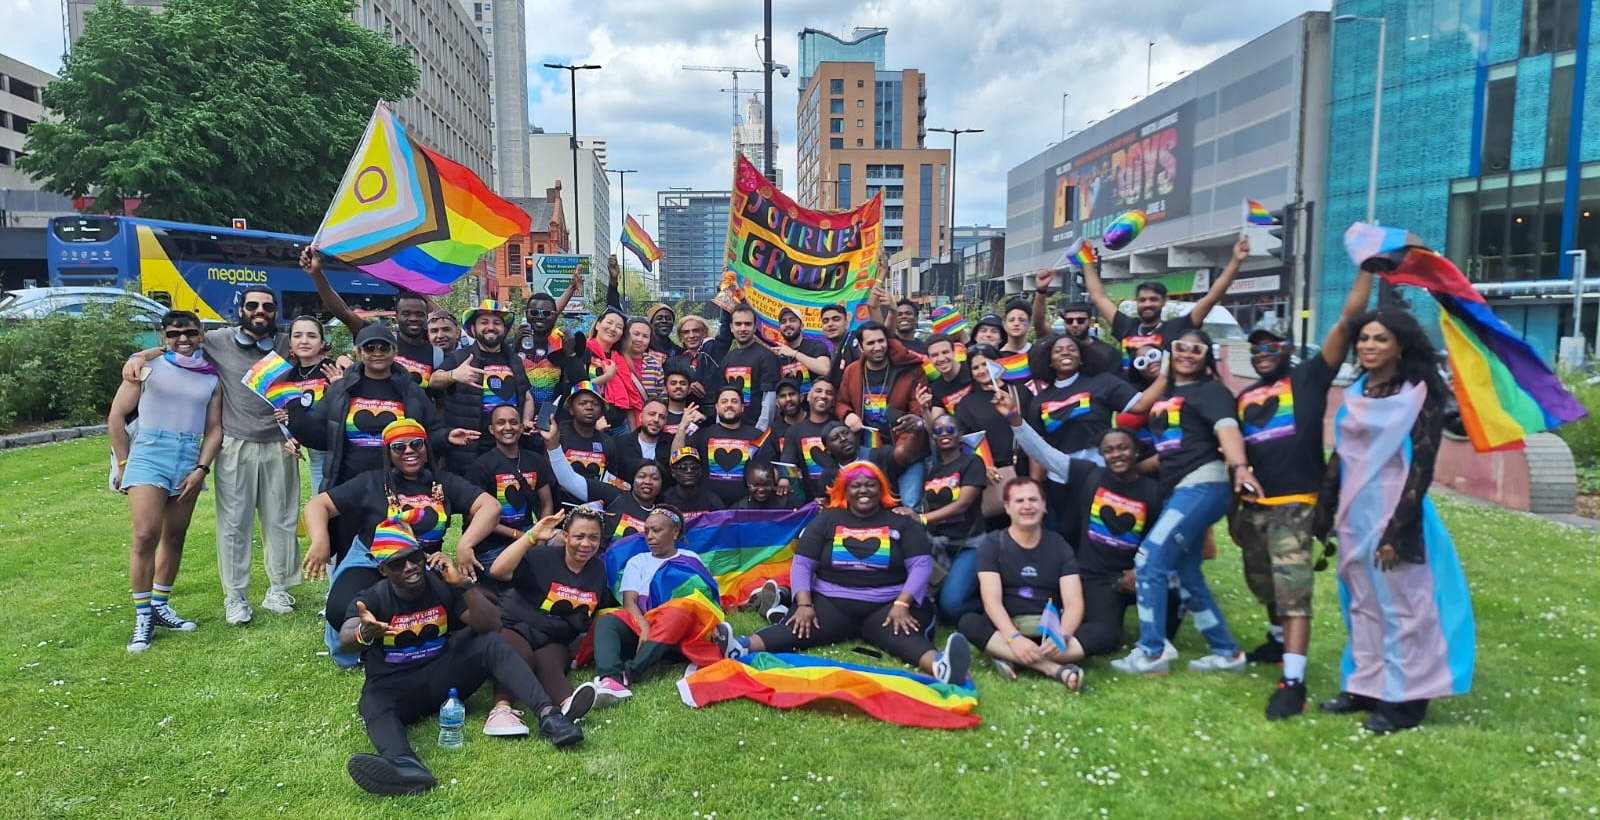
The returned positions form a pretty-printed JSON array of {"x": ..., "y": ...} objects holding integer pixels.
[
  {"x": 239, "y": 224},
  {"x": 527, "y": 269},
  {"x": 1283, "y": 229}
]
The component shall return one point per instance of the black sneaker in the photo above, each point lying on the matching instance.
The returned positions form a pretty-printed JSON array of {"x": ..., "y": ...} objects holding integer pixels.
[
  {"x": 559, "y": 730},
  {"x": 1345, "y": 703},
  {"x": 386, "y": 776},
  {"x": 168, "y": 618},
  {"x": 1269, "y": 652},
  {"x": 1288, "y": 701}
]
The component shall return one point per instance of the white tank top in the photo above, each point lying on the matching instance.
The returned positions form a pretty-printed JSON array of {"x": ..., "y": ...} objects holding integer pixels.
[{"x": 174, "y": 399}]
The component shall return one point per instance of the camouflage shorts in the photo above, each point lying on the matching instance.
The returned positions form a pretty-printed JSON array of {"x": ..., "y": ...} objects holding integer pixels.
[{"x": 1276, "y": 543}]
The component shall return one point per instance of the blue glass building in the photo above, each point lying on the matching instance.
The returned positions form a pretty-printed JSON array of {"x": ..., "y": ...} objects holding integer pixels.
[{"x": 1489, "y": 151}]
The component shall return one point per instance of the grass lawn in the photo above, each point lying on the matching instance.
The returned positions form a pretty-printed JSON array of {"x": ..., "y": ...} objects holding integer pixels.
[{"x": 253, "y": 721}]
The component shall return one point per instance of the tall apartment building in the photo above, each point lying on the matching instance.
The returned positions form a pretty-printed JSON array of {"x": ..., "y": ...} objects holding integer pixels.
[
  {"x": 866, "y": 45},
  {"x": 450, "y": 110},
  {"x": 692, "y": 231},
  {"x": 550, "y": 157},
  {"x": 861, "y": 131},
  {"x": 505, "y": 41}
]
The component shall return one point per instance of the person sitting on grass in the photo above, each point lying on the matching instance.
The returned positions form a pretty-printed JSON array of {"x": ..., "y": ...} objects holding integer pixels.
[
  {"x": 627, "y": 642},
  {"x": 422, "y": 631},
  {"x": 164, "y": 468},
  {"x": 861, "y": 570},
  {"x": 551, "y": 594},
  {"x": 1020, "y": 568},
  {"x": 407, "y": 486}
]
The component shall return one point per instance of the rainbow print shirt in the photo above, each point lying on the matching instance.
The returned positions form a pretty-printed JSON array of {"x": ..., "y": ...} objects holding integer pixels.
[
  {"x": 1267, "y": 412},
  {"x": 1116, "y": 521},
  {"x": 1166, "y": 424},
  {"x": 861, "y": 549}
]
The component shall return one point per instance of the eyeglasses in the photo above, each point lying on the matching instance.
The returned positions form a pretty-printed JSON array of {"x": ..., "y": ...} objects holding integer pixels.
[
  {"x": 267, "y": 307},
  {"x": 406, "y": 560},
  {"x": 1189, "y": 347},
  {"x": 377, "y": 347},
  {"x": 409, "y": 445},
  {"x": 945, "y": 431},
  {"x": 1268, "y": 348},
  {"x": 540, "y": 314},
  {"x": 188, "y": 333}
]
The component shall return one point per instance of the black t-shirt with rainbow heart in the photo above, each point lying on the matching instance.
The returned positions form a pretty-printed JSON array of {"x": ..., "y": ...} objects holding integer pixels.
[
  {"x": 366, "y": 500},
  {"x": 425, "y": 624},
  {"x": 945, "y": 484},
  {"x": 1107, "y": 518}
]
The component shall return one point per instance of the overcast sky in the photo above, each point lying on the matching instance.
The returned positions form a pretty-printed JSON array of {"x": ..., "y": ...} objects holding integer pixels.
[{"x": 1000, "y": 66}]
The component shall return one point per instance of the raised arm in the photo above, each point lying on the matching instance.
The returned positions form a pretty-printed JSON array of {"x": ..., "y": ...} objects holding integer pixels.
[
  {"x": 1041, "y": 310},
  {"x": 311, "y": 263},
  {"x": 1241, "y": 251},
  {"x": 1043, "y": 455},
  {"x": 1097, "y": 293},
  {"x": 1337, "y": 344},
  {"x": 566, "y": 296}
]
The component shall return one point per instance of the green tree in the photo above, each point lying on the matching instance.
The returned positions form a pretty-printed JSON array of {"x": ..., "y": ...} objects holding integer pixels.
[{"x": 215, "y": 108}]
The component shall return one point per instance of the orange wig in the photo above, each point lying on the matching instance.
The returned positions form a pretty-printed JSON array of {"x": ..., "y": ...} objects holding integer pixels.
[{"x": 839, "y": 498}]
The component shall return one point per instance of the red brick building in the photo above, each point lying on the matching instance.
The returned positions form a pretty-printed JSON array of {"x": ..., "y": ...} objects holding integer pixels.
[{"x": 548, "y": 234}]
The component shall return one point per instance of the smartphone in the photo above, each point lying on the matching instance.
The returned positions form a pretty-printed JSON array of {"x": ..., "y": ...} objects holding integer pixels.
[{"x": 547, "y": 415}]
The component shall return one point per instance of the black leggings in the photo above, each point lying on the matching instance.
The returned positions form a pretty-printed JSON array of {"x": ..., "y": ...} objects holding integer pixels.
[
  {"x": 390, "y": 702},
  {"x": 617, "y": 650},
  {"x": 1104, "y": 608},
  {"x": 840, "y": 619}
]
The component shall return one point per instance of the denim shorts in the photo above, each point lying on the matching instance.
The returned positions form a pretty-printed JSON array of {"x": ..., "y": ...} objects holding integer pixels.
[{"x": 161, "y": 458}]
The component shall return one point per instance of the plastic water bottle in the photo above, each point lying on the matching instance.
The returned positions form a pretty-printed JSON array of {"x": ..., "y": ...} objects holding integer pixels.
[{"x": 452, "y": 720}]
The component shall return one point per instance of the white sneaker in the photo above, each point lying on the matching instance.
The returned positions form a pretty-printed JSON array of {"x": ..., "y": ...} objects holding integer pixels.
[
  {"x": 237, "y": 609},
  {"x": 582, "y": 699},
  {"x": 1139, "y": 662},
  {"x": 144, "y": 629},
  {"x": 279, "y": 601},
  {"x": 1219, "y": 663}
]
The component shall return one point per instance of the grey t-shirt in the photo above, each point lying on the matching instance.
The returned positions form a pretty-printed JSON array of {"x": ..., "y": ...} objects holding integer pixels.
[{"x": 245, "y": 415}]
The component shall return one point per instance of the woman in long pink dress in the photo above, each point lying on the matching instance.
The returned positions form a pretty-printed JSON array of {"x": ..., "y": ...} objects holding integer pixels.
[{"x": 1405, "y": 599}]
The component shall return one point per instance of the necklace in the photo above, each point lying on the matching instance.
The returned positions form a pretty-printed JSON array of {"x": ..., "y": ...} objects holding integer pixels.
[{"x": 303, "y": 373}]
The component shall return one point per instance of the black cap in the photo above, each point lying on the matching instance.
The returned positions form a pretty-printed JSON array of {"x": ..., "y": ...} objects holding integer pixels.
[
  {"x": 991, "y": 320},
  {"x": 791, "y": 382},
  {"x": 1267, "y": 332},
  {"x": 375, "y": 332}
]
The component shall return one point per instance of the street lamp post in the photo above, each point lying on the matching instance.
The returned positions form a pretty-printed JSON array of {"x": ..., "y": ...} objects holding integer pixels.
[
  {"x": 1063, "y": 116},
  {"x": 950, "y": 227},
  {"x": 572, "y": 85},
  {"x": 622, "y": 185},
  {"x": 1385, "y": 290}
]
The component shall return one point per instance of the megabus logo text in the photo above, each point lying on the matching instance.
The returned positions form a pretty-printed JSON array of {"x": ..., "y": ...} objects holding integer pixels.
[{"x": 237, "y": 276}]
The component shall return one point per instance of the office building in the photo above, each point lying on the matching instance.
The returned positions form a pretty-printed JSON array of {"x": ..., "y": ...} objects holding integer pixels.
[
  {"x": 22, "y": 203},
  {"x": 503, "y": 28},
  {"x": 547, "y": 234},
  {"x": 861, "y": 131},
  {"x": 1489, "y": 149},
  {"x": 963, "y": 236},
  {"x": 449, "y": 111},
  {"x": 1251, "y": 124},
  {"x": 747, "y": 138},
  {"x": 550, "y": 157},
  {"x": 866, "y": 45},
  {"x": 692, "y": 232}
]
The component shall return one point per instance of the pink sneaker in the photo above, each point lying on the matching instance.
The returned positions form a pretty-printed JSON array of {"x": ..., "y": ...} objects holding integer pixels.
[
  {"x": 505, "y": 721},
  {"x": 610, "y": 692}
]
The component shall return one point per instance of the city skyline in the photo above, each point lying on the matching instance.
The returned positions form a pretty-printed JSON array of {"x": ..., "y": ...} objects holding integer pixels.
[{"x": 1003, "y": 69}]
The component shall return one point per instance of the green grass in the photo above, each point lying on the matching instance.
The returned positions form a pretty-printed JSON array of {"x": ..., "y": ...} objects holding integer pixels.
[{"x": 252, "y": 722}]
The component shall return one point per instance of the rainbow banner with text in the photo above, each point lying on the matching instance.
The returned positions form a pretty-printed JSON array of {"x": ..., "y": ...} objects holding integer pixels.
[{"x": 783, "y": 255}]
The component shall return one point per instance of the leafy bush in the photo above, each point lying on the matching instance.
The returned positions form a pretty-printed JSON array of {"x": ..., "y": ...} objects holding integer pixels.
[
  {"x": 65, "y": 367},
  {"x": 1583, "y": 436}
]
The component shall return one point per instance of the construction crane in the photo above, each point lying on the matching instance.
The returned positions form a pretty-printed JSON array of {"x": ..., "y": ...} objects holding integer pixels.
[{"x": 727, "y": 69}]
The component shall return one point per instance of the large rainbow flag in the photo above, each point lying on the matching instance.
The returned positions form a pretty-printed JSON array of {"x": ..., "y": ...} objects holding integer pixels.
[
  {"x": 637, "y": 240},
  {"x": 1505, "y": 389},
  {"x": 743, "y": 549},
  {"x": 783, "y": 255},
  {"x": 785, "y": 681},
  {"x": 410, "y": 216}
]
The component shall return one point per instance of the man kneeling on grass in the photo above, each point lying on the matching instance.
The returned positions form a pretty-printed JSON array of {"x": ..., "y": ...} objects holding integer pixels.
[{"x": 424, "y": 630}]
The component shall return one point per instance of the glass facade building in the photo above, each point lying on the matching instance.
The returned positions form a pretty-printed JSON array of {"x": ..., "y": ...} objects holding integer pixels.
[
  {"x": 866, "y": 45},
  {"x": 692, "y": 232},
  {"x": 1489, "y": 149}
]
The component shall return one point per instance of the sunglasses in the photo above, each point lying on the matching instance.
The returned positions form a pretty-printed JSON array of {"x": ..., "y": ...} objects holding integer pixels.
[
  {"x": 1268, "y": 348},
  {"x": 1189, "y": 347},
  {"x": 406, "y": 560},
  {"x": 268, "y": 307},
  {"x": 190, "y": 333},
  {"x": 685, "y": 466},
  {"x": 540, "y": 314},
  {"x": 409, "y": 445},
  {"x": 1076, "y": 320},
  {"x": 377, "y": 347},
  {"x": 945, "y": 431}
]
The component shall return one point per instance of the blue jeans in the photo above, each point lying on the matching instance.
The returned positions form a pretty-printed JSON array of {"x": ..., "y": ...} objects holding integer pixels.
[
  {"x": 910, "y": 484},
  {"x": 318, "y": 460},
  {"x": 1173, "y": 545},
  {"x": 959, "y": 593},
  {"x": 358, "y": 558}
]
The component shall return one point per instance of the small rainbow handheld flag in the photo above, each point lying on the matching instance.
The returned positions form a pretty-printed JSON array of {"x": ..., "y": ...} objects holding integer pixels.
[
  {"x": 1015, "y": 367},
  {"x": 636, "y": 240},
  {"x": 871, "y": 437},
  {"x": 1257, "y": 214},
  {"x": 1077, "y": 255},
  {"x": 787, "y": 470},
  {"x": 978, "y": 445},
  {"x": 1050, "y": 625},
  {"x": 947, "y": 320},
  {"x": 262, "y": 378}
]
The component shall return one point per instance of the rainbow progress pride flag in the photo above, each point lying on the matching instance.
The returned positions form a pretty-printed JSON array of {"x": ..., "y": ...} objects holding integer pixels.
[
  {"x": 410, "y": 216},
  {"x": 742, "y": 549},
  {"x": 635, "y": 239},
  {"x": 787, "y": 681},
  {"x": 1505, "y": 389},
  {"x": 265, "y": 379},
  {"x": 782, "y": 255},
  {"x": 978, "y": 444},
  {"x": 947, "y": 320}
]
